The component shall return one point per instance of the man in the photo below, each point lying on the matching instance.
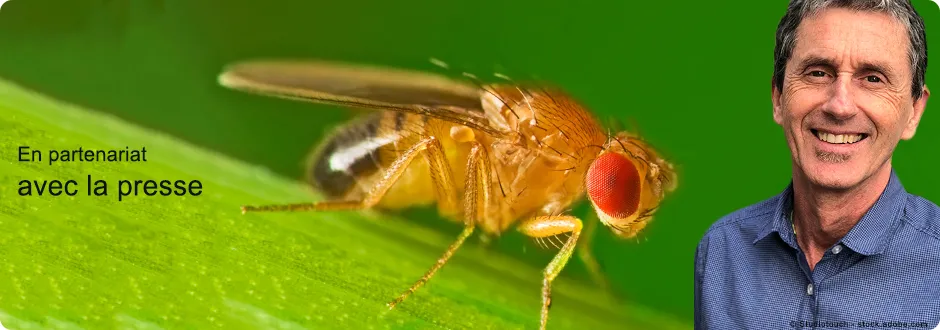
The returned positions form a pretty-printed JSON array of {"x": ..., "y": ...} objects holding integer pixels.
[{"x": 844, "y": 245}]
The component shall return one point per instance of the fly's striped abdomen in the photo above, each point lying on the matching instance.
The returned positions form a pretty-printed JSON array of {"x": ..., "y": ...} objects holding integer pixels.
[
  {"x": 349, "y": 162},
  {"x": 346, "y": 155}
]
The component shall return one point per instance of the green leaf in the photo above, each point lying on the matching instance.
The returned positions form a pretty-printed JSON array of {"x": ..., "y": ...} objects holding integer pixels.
[{"x": 196, "y": 262}]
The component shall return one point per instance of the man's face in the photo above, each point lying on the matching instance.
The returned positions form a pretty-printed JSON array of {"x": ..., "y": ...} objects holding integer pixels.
[{"x": 846, "y": 98}]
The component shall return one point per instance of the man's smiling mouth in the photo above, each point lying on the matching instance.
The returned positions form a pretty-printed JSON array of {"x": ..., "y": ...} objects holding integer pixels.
[{"x": 839, "y": 138}]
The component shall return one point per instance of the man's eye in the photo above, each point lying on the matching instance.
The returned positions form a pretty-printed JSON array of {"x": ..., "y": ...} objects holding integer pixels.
[
  {"x": 817, "y": 74},
  {"x": 873, "y": 79}
]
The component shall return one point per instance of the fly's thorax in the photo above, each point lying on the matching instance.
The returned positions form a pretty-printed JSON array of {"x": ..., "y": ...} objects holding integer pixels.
[
  {"x": 543, "y": 120},
  {"x": 542, "y": 186},
  {"x": 537, "y": 181},
  {"x": 552, "y": 138},
  {"x": 539, "y": 112}
]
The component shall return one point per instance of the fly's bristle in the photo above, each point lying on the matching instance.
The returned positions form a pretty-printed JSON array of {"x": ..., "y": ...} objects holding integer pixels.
[
  {"x": 550, "y": 240},
  {"x": 540, "y": 243},
  {"x": 440, "y": 63},
  {"x": 502, "y": 76},
  {"x": 560, "y": 241}
]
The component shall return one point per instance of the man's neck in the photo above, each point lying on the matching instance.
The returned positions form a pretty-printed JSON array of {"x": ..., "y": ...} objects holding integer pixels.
[{"x": 823, "y": 216}]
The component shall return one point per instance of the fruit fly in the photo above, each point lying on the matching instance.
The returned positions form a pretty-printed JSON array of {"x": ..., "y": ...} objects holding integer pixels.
[{"x": 490, "y": 156}]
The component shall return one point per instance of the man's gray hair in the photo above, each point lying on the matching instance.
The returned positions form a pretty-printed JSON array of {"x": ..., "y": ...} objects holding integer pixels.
[{"x": 899, "y": 9}]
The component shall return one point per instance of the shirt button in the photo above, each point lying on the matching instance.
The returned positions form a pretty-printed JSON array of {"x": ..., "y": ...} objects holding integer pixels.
[
  {"x": 836, "y": 249},
  {"x": 809, "y": 289}
]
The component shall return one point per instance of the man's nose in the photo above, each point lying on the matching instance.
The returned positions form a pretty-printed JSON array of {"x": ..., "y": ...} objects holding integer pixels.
[{"x": 841, "y": 104}]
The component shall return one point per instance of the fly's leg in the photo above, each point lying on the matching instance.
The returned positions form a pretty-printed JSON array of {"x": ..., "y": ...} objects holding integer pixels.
[
  {"x": 477, "y": 188},
  {"x": 546, "y": 226},
  {"x": 440, "y": 263},
  {"x": 440, "y": 175},
  {"x": 587, "y": 256},
  {"x": 478, "y": 185}
]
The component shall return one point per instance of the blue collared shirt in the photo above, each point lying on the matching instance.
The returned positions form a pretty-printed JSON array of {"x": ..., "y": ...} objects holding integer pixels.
[{"x": 751, "y": 274}]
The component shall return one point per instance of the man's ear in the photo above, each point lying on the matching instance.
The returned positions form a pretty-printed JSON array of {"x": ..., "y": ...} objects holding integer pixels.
[
  {"x": 775, "y": 98},
  {"x": 919, "y": 105}
]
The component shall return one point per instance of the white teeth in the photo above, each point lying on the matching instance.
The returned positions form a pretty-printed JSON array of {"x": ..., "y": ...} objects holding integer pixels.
[{"x": 838, "y": 139}]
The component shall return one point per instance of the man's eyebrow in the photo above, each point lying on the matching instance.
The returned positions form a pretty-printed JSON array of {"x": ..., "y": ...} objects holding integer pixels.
[{"x": 813, "y": 60}]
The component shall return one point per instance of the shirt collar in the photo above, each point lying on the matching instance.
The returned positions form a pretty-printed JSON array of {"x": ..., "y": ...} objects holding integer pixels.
[{"x": 870, "y": 235}]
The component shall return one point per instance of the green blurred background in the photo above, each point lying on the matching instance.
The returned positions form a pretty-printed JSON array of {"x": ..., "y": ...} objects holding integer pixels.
[{"x": 693, "y": 76}]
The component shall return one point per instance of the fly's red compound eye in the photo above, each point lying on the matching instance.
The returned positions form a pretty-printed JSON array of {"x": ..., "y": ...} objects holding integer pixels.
[{"x": 613, "y": 184}]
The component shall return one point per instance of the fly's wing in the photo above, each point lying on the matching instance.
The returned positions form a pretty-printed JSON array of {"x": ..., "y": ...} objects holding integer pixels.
[{"x": 362, "y": 87}]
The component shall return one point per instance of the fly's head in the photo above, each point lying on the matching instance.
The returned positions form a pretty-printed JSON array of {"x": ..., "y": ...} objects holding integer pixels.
[{"x": 626, "y": 183}]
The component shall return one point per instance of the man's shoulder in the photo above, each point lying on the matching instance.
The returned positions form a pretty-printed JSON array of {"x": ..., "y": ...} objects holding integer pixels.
[
  {"x": 923, "y": 215},
  {"x": 751, "y": 216}
]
